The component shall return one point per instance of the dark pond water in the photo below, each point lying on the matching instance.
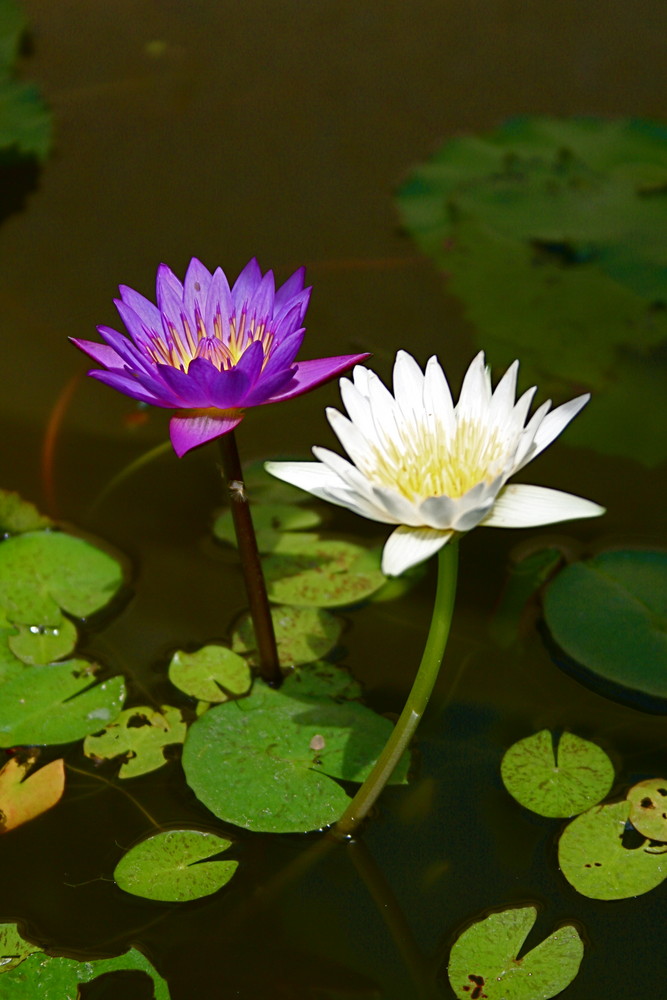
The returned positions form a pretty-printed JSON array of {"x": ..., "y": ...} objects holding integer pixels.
[{"x": 281, "y": 130}]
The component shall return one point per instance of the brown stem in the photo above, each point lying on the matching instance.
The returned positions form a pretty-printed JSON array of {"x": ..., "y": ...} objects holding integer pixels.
[{"x": 253, "y": 576}]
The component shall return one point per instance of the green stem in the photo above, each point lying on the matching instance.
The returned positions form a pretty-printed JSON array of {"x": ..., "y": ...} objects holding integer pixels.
[
  {"x": 251, "y": 565},
  {"x": 418, "y": 698}
]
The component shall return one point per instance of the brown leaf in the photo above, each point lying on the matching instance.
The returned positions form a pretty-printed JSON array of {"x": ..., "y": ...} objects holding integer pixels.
[{"x": 22, "y": 798}]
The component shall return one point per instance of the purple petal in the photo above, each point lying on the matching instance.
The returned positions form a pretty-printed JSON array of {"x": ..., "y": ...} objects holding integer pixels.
[
  {"x": 131, "y": 387},
  {"x": 166, "y": 283},
  {"x": 187, "y": 388},
  {"x": 291, "y": 316},
  {"x": 188, "y": 432},
  {"x": 148, "y": 314},
  {"x": 284, "y": 354},
  {"x": 136, "y": 327},
  {"x": 246, "y": 283},
  {"x": 261, "y": 305},
  {"x": 100, "y": 353},
  {"x": 293, "y": 286},
  {"x": 251, "y": 361},
  {"x": 131, "y": 355},
  {"x": 267, "y": 390},
  {"x": 218, "y": 300},
  {"x": 313, "y": 373},
  {"x": 196, "y": 285},
  {"x": 230, "y": 389},
  {"x": 170, "y": 300}
]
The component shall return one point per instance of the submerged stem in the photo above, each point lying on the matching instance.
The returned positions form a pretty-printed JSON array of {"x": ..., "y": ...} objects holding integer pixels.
[
  {"x": 251, "y": 565},
  {"x": 418, "y": 698}
]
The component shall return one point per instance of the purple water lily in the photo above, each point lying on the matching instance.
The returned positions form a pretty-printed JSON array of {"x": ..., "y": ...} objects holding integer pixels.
[{"x": 209, "y": 351}]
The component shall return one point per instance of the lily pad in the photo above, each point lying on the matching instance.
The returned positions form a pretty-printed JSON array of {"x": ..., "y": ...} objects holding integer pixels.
[
  {"x": 172, "y": 866},
  {"x": 24, "y": 796},
  {"x": 594, "y": 860},
  {"x": 609, "y": 616},
  {"x": 18, "y": 516},
  {"x": 557, "y": 781},
  {"x": 302, "y": 634},
  {"x": 323, "y": 574},
  {"x": 39, "y": 644},
  {"x": 140, "y": 734},
  {"x": 57, "y": 703},
  {"x": 484, "y": 960},
  {"x": 525, "y": 576},
  {"x": 269, "y": 522},
  {"x": 267, "y": 762},
  {"x": 648, "y": 808},
  {"x": 212, "y": 673},
  {"x": 29, "y": 973}
]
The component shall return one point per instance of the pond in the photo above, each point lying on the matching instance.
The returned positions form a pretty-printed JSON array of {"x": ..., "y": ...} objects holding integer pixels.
[{"x": 286, "y": 132}]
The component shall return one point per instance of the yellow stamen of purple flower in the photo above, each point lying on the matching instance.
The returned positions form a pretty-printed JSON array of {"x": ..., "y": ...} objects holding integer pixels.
[{"x": 179, "y": 347}]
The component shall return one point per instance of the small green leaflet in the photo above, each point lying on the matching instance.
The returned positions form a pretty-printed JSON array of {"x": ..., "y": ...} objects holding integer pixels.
[
  {"x": 484, "y": 960},
  {"x": 302, "y": 634},
  {"x": 212, "y": 673},
  {"x": 18, "y": 516},
  {"x": 139, "y": 734},
  {"x": 557, "y": 781},
  {"x": 593, "y": 859},
  {"x": 171, "y": 866},
  {"x": 39, "y": 644},
  {"x": 648, "y": 808},
  {"x": 57, "y": 703},
  {"x": 266, "y": 762}
]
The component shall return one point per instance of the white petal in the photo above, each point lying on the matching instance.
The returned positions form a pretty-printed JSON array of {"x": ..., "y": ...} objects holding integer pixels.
[
  {"x": 438, "y": 403},
  {"x": 351, "y": 438},
  {"x": 523, "y": 506},
  {"x": 306, "y": 475},
  {"x": 345, "y": 473},
  {"x": 556, "y": 421},
  {"x": 360, "y": 376},
  {"x": 356, "y": 503},
  {"x": 475, "y": 395},
  {"x": 408, "y": 386},
  {"x": 403, "y": 511},
  {"x": 407, "y": 547},
  {"x": 502, "y": 401},
  {"x": 386, "y": 414}
]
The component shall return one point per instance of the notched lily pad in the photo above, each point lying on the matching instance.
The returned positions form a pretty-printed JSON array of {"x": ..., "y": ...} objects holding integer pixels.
[
  {"x": 267, "y": 762},
  {"x": 302, "y": 634},
  {"x": 648, "y": 808},
  {"x": 140, "y": 734},
  {"x": 39, "y": 644},
  {"x": 557, "y": 780},
  {"x": 484, "y": 961},
  {"x": 57, "y": 703},
  {"x": 13, "y": 948},
  {"x": 23, "y": 796},
  {"x": 171, "y": 866},
  {"x": 323, "y": 573},
  {"x": 594, "y": 860},
  {"x": 212, "y": 673}
]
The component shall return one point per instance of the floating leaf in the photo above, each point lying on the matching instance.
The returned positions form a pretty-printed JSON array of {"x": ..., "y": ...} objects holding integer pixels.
[
  {"x": 25, "y": 123},
  {"x": 525, "y": 576},
  {"x": 484, "y": 959},
  {"x": 323, "y": 574},
  {"x": 50, "y": 978},
  {"x": 266, "y": 762},
  {"x": 141, "y": 735},
  {"x": 648, "y": 808},
  {"x": 302, "y": 634},
  {"x": 42, "y": 572},
  {"x": 594, "y": 860},
  {"x": 18, "y": 516},
  {"x": 10, "y": 665},
  {"x": 39, "y": 644},
  {"x": 557, "y": 781},
  {"x": 212, "y": 673},
  {"x": 22, "y": 798},
  {"x": 57, "y": 703},
  {"x": 171, "y": 866},
  {"x": 269, "y": 522},
  {"x": 609, "y": 615}
]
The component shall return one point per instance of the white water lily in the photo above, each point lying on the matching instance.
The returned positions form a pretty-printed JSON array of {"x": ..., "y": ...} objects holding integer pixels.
[{"x": 435, "y": 468}]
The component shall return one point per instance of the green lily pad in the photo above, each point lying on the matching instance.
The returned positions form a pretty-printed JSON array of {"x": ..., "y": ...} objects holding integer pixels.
[
  {"x": 25, "y": 122},
  {"x": 484, "y": 959},
  {"x": 10, "y": 665},
  {"x": 593, "y": 859},
  {"x": 609, "y": 616},
  {"x": 648, "y": 808},
  {"x": 524, "y": 577},
  {"x": 302, "y": 634},
  {"x": 212, "y": 673},
  {"x": 171, "y": 866},
  {"x": 39, "y": 644},
  {"x": 42, "y": 572},
  {"x": 557, "y": 781},
  {"x": 269, "y": 522},
  {"x": 52, "y": 978},
  {"x": 267, "y": 762},
  {"x": 57, "y": 703},
  {"x": 18, "y": 516},
  {"x": 323, "y": 574},
  {"x": 140, "y": 734}
]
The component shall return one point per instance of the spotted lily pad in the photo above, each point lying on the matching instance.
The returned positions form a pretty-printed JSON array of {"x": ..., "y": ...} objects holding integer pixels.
[
  {"x": 139, "y": 734},
  {"x": 57, "y": 703},
  {"x": 172, "y": 866},
  {"x": 593, "y": 858},
  {"x": 270, "y": 521},
  {"x": 608, "y": 615},
  {"x": 269, "y": 762},
  {"x": 23, "y": 796},
  {"x": 557, "y": 780},
  {"x": 484, "y": 961},
  {"x": 13, "y": 948},
  {"x": 323, "y": 574},
  {"x": 648, "y": 808},
  {"x": 212, "y": 673},
  {"x": 302, "y": 634}
]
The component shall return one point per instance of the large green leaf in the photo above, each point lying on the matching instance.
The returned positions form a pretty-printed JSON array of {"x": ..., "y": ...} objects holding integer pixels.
[
  {"x": 267, "y": 762},
  {"x": 557, "y": 781},
  {"x": 212, "y": 673},
  {"x": 57, "y": 703},
  {"x": 484, "y": 960},
  {"x": 593, "y": 858},
  {"x": 140, "y": 735},
  {"x": 609, "y": 614},
  {"x": 323, "y": 573},
  {"x": 172, "y": 866}
]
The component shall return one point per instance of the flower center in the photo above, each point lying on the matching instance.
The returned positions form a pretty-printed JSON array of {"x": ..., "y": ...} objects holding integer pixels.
[
  {"x": 424, "y": 461},
  {"x": 223, "y": 346}
]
